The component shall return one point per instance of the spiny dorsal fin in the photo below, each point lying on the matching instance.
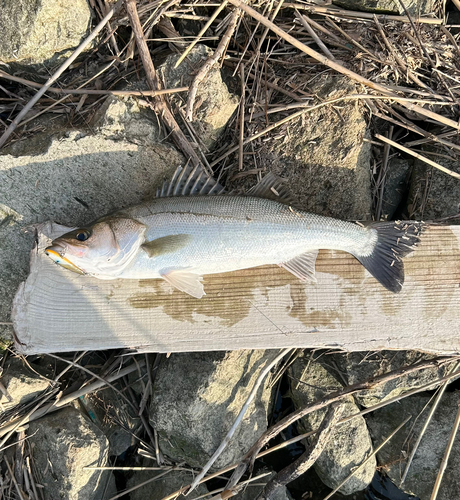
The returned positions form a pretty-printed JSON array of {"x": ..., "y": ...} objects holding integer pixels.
[
  {"x": 274, "y": 188},
  {"x": 166, "y": 244},
  {"x": 189, "y": 181}
]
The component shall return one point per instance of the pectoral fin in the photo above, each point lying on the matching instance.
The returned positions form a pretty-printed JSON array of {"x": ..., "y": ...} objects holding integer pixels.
[
  {"x": 186, "y": 282},
  {"x": 302, "y": 266},
  {"x": 166, "y": 244}
]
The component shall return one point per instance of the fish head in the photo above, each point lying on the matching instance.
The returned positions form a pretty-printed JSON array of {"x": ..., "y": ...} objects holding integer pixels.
[{"x": 102, "y": 249}]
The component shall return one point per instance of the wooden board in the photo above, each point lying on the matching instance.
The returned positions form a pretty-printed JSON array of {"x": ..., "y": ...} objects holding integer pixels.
[{"x": 56, "y": 310}]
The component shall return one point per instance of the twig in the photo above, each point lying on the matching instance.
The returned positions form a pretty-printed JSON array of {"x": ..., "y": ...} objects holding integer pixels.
[
  {"x": 446, "y": 456},
  {"x": 210, "y": 62},
  {"x": 57, "y": 74},
  {"x": 18, "y": 489},
  {"x": 202, "y": 32},
  {"x": 37, "y": 412},
  {"x": 422, "y": 432},
  {"x": 238, "y": 420},
  {"x": 242, "y": 104},
  {"x": 319, "y": 9},
  {"x": 382, "y": 174},
  {"x": 306, "y": 25},
  {"x": 159, "y": 102},
  {"x": 301, "y": 412},
  {"x": 360, "y": 466},
  {"x": 419, "y": 156},
  {"x": 338, "y": 67},
  {"x": 308, "y": 458}
]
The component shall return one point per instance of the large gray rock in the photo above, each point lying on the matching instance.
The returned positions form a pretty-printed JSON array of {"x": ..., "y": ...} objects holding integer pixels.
[
  {"x": 350, "y": 443},
  {"x": 21, "y": 383},
  {"x": 162, "y": 487},
  {"x": 416, "y": 8},
  {"x": 214, "y": 105},
  {"x": 73, "y": 178},
  {"x": 424, "y": 469},
  {"x": 433, "y": 193},
  {"x": 360, "y": 366},
  {"x": 63, "y": 443},
  {"x": 323, "y": 158},
  {"x": 197, "y": 398},
  {"x": 39, "y": 34}
]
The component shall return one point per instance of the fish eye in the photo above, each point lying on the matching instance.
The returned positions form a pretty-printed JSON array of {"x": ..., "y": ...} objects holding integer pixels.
[{"x": 83, "y": 235}]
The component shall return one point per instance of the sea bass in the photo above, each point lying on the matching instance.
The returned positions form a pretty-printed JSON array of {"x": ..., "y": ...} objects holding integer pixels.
[{"x": 189, "y": 231}]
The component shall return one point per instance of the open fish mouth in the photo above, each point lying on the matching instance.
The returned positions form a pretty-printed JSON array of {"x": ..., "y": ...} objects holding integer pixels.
[{"x": 55, "y": 254}]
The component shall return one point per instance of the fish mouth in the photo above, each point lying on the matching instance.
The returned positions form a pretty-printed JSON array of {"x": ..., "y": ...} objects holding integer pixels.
[{"x": 54, "y": 252}]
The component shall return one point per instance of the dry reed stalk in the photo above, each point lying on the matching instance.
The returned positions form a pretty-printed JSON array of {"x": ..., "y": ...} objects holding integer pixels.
[{"x": 419, "y": 156}]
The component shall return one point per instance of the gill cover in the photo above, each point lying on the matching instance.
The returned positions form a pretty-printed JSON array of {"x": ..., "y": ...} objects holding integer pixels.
[{"x": 103, "y": 249}]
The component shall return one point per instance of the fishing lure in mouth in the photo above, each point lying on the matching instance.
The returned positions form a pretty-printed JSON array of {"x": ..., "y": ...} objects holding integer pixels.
[{"x": 193, "y": 229}]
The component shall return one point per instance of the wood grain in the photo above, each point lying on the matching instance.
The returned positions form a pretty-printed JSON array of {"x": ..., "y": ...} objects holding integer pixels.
[{"x": 266, "y": 307}]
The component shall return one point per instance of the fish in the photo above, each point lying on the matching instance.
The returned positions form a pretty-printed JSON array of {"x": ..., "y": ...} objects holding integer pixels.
[{"x": 193, "y": 228}]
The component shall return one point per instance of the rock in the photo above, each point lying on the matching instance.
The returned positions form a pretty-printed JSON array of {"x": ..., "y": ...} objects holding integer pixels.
[
  {"x": 415, "y": 8},
  {"x": 72, "y": 178},
  {"x": 21, "y": 383},
  {"x": 197, "y": 397},
  {"x": 214, "y": 105},
  {"x": 360, "y": 366},
  {"x": 424, "y": 469},
  {"x": 63, "y": 443},
  {"x": 349, "y": 444},
  {"x": 38, "y": 35},
  {"x": 253, "y": 490},
  {"x": 324, "y": 159},
  {"x": 433, "y": 193},
  {"x": 122, "y": 118},
  {"x": 395, "y": 186},
  {"x": 167, "y": 484}
]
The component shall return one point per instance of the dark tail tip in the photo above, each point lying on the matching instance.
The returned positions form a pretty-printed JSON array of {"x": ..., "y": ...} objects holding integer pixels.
[{"x": 394, "y": 240}]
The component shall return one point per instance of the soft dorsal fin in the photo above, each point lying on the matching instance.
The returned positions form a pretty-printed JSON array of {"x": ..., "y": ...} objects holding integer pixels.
[
  {"x": 274, "y": 188},
  {"x": 189, "y": 181}
]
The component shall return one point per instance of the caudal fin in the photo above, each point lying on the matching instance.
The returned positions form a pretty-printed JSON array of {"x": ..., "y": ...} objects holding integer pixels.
[{"x": 394, "y": 240}]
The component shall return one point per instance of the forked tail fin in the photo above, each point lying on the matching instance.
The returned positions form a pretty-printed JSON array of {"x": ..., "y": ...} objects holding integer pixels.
[{"x": 395, "y": 239}]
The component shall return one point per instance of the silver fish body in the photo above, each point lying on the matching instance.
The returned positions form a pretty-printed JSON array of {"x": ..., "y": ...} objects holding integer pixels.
[{"x": 230, "y": 233}]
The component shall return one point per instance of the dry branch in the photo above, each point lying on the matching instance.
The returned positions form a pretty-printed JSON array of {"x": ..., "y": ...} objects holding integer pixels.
[
  {"x": 308, "y": 458},
  {"x": 159, "y": 102},
  {"x": 419, "y": 156},
  {"x": 250, "y": 456}
]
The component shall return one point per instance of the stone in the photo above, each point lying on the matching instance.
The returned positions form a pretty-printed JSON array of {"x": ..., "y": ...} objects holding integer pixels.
[
  {"x": 416, "y": 8},
  {"x": 349, "y": 444},
  {"x": 253, "y": 490},
  {"x": 323, "y": 156},
  {"x": 197, "y": 397},
  {"x": 38, "y": 35},
  {"x": 357, "y": 367},
  {"x": 123, "y": 118},
  {"x": 73, "y": 178},
  {"x": 164, "y": 486},
  {"x": 214, "y": 105},
  {"x": 434, "y": 194},
  {"x": 21, "y": 383},
  {"x": 395, "y": 186},
  {"x": 427, "y": 460},
  {"x": 62, "y": 444}
]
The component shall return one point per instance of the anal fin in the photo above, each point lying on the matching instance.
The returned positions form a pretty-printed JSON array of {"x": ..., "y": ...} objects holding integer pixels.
[
  {"x": 185, "y": 281},
  {"x": 302, "y": 266}
]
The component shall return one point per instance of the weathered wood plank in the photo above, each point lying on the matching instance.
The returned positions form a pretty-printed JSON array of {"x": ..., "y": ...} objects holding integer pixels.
[{"x": 265, "y": 307}]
